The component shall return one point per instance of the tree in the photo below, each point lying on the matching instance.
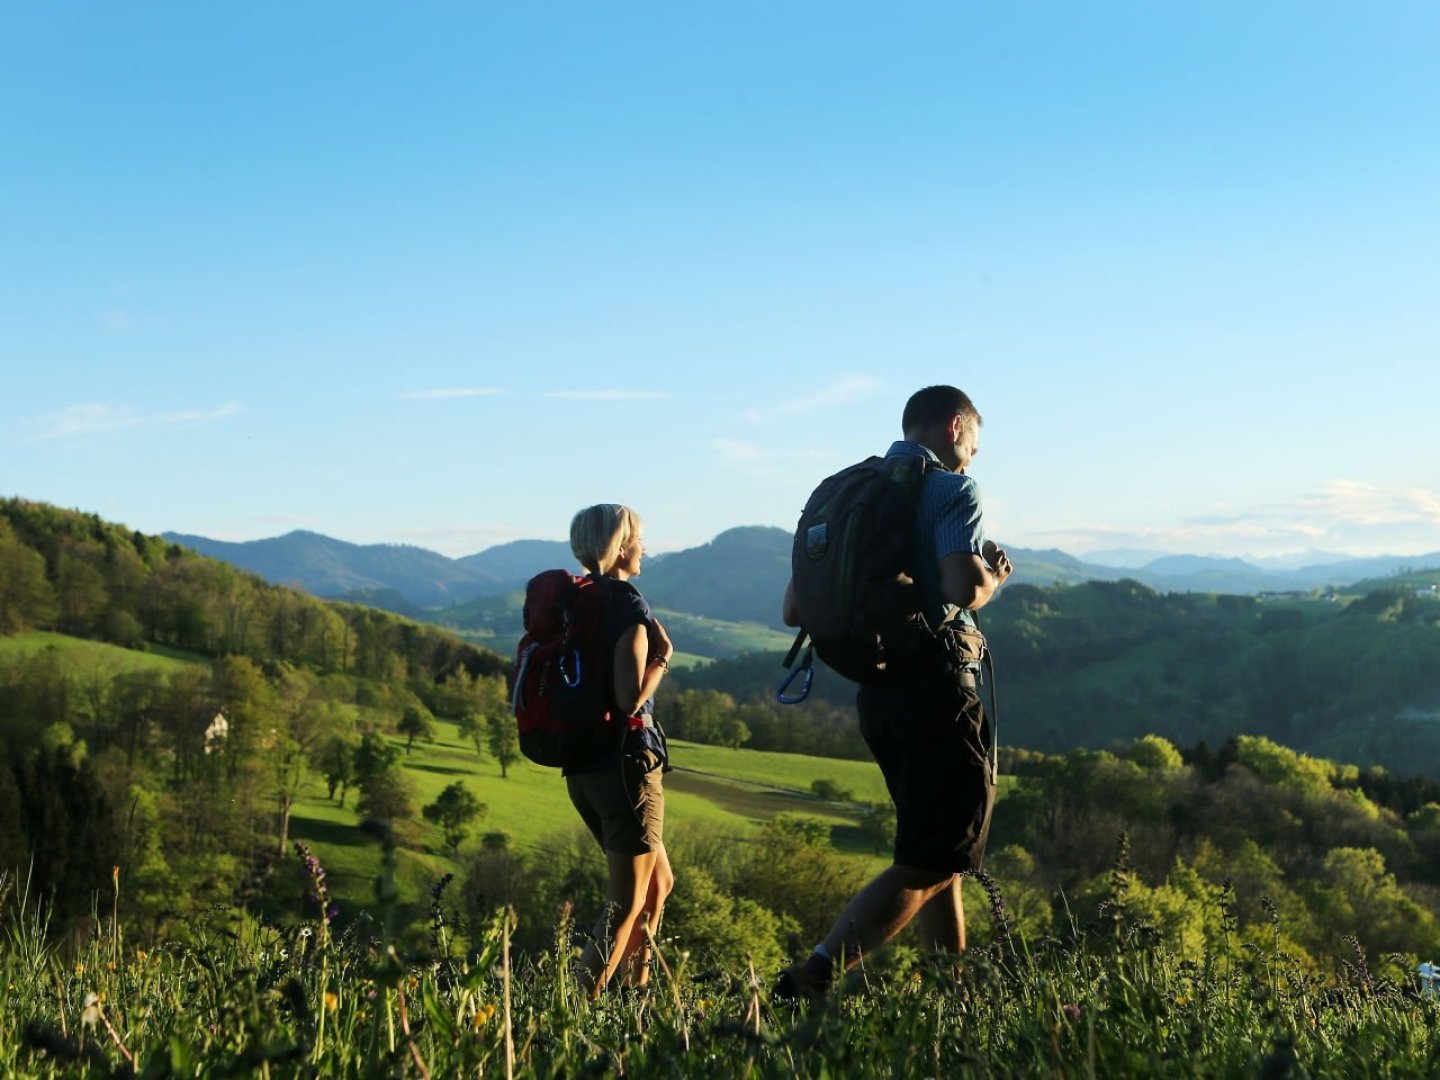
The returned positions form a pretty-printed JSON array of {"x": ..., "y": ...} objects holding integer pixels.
[
  {"x": 386, "y": 794},
  {"x": 476, "y": 728},
  {"x": 829, "y": 790},
  {"x": 335, "y": 759},
  {"x": 26, "y": 598},
  {"x": 877, "y": 824},
  {"x": 416, "y": 721},
  {"x": 454, "y": 810},
  {"x": 374, "y": 755},
  {"x": 504, "y": 742}
]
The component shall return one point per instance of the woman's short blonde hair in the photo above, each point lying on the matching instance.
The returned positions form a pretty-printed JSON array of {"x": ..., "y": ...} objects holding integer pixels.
[{"x": 598, "y": 532}]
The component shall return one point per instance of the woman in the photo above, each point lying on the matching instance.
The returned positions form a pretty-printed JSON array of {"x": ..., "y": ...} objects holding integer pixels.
[{"x": 618, "y": 795}]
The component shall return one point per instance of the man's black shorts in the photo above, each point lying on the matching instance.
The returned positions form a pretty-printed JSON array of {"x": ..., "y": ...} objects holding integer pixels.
[{"x": 930, "y": 739}]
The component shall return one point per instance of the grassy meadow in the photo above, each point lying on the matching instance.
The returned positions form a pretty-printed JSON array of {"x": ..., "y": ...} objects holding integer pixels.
[
  {"x": 229, "y": 995},
  {"x": 733, "y": 791},
  {"x": 79, "y": 657}
]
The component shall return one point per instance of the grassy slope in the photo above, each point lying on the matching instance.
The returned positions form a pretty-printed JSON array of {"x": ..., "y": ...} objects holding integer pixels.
[
  {"x": 92, "y": 657},
  {"x": 735, "y": 790}
]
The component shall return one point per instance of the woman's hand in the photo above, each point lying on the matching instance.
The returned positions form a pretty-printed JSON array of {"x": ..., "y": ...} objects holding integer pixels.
[{"x": 660, "y": 644}]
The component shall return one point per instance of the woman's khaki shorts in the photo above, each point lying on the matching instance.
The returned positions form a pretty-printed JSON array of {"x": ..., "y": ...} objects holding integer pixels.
[{"x": 625, "y": 810}]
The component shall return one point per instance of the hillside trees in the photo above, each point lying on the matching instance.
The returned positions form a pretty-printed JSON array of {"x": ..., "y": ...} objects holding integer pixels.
[
  {"x": 416, "y": 722},
  {"x": 503, "y": 739},
  {"x": 26, "y": 598},
  {"x": 453, "y": 811},
  {"x": 104, "y": 582}
]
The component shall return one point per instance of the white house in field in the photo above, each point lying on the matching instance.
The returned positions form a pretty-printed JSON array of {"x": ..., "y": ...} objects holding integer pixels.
[{"x": 216, "y": 733}]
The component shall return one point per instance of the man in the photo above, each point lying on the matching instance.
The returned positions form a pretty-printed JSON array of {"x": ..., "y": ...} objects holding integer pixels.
[{"x": 925, "y": 725}]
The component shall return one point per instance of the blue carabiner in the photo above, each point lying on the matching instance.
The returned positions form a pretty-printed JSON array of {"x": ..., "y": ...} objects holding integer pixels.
[
  {"x": 785, "y": 699},
  {"x": 571, "y": 682}
]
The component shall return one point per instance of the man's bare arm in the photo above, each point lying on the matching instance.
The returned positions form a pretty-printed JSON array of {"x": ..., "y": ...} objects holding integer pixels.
[{"x": 970, "y": 581}]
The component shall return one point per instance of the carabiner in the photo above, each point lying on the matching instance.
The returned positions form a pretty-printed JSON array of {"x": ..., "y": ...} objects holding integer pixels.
[
  {"x": 571, "y": 682},
  {"x": 785, "y": 699}
]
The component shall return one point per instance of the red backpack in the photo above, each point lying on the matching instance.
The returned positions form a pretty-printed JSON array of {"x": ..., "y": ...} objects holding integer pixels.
[{"x": 562, "y": 696}]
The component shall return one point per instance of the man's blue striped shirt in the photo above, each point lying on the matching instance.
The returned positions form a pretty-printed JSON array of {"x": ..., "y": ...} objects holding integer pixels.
[{"x": 949, "y": 520}]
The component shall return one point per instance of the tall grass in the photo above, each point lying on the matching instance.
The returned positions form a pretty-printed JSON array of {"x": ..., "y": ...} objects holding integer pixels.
[{"x": 228, "y": 994}]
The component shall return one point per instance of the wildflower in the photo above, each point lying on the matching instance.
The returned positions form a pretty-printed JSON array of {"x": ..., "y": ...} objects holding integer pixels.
[
  {"x": 1183, "y": 1000},
  {"x": 1070, "y": 1011},
  {"x": 141, "y": 955},
  {"x": 79, "y": 969},
  {"x": 483, "y": 1016},
  {"x": 332, "y": 1001},
  {"x": 998, "y": 917},
  {"x": 109, "y": 965}
]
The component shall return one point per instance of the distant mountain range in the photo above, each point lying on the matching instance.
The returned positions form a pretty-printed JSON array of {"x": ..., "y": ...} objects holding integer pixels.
[{"x": 737, "y": 577}]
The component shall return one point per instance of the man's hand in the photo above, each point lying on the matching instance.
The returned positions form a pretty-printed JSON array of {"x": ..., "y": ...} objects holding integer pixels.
[{"x": 999, "y": 562}]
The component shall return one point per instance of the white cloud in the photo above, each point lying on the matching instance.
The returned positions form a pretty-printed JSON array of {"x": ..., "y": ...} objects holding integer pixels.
[
  {"x": 1340, "y": 515},
  {"x": 734, "y": 452},
  {"x": 454, "y": 392},
  {"x": 846, "y": 390},
  {"x": 611, "y": 395},
  {"x": 94, "y": 417}
]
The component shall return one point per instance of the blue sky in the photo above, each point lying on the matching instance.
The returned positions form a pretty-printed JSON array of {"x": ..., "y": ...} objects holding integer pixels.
[{"x": 443, "y": 273}]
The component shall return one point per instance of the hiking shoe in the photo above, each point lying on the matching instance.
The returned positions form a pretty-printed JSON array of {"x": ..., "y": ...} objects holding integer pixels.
[{"x": 807, "y": 981}]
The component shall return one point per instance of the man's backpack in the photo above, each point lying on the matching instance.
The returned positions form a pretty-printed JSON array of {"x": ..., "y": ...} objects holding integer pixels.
[
  {"x": 562, "y": 695},
  {"x": 854, "y": 540}
]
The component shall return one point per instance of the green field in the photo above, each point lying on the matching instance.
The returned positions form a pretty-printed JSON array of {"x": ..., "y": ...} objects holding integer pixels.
[
  {"x": 79, "y": 656},
  {"x": 734, "y": 790}
]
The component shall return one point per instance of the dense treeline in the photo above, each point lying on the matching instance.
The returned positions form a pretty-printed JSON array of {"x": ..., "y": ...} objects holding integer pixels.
[
  {"x": 1102, "y": 663},
  {"x": 74, "y": 573}
]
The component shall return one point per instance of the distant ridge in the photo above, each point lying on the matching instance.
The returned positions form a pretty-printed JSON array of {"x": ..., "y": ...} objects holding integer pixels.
[
  {"x": 324, "y": 566},
  {"x": 739, "y": 576},
  {"x": 510, "y": 565}
]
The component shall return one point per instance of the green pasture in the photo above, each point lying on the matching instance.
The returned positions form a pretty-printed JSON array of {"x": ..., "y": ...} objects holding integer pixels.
[
  {"x": 81, "y": 657},
  {"x": 733, "y": 790}
]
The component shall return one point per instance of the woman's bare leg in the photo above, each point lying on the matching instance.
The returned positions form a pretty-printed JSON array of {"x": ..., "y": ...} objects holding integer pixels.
[
  {"x": 662, "y": 880},
  {"x": 629, "y": 884}
]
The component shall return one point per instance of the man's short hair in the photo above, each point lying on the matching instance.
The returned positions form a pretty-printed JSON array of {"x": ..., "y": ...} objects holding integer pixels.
[
  {"x": 936, "y": 405},
  {"x": 597, "y": 534}
]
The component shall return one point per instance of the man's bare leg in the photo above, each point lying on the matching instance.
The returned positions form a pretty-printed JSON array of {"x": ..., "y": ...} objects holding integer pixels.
[
  {"x": 883, "y": 908},
  {"x": 942, "y": 920}
]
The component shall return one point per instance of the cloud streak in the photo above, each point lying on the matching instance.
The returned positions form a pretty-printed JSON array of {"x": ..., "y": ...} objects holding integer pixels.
[
  {"x": 1344, "y": 515},
  {"x": 452, "y": 393},
  {"x": 97, "y": 417},
  {"x": 847, "y": 390},
  {"x": 610, "y": 395}
]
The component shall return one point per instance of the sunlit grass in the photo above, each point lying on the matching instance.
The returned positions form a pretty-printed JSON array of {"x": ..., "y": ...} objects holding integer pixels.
[{"x": 227, "y": 994}]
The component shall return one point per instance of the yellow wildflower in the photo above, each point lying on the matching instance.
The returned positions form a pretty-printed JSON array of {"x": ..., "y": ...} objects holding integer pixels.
[
  {"x": 79, "y": 969},
  {"x": 332, "y": 1001}
]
